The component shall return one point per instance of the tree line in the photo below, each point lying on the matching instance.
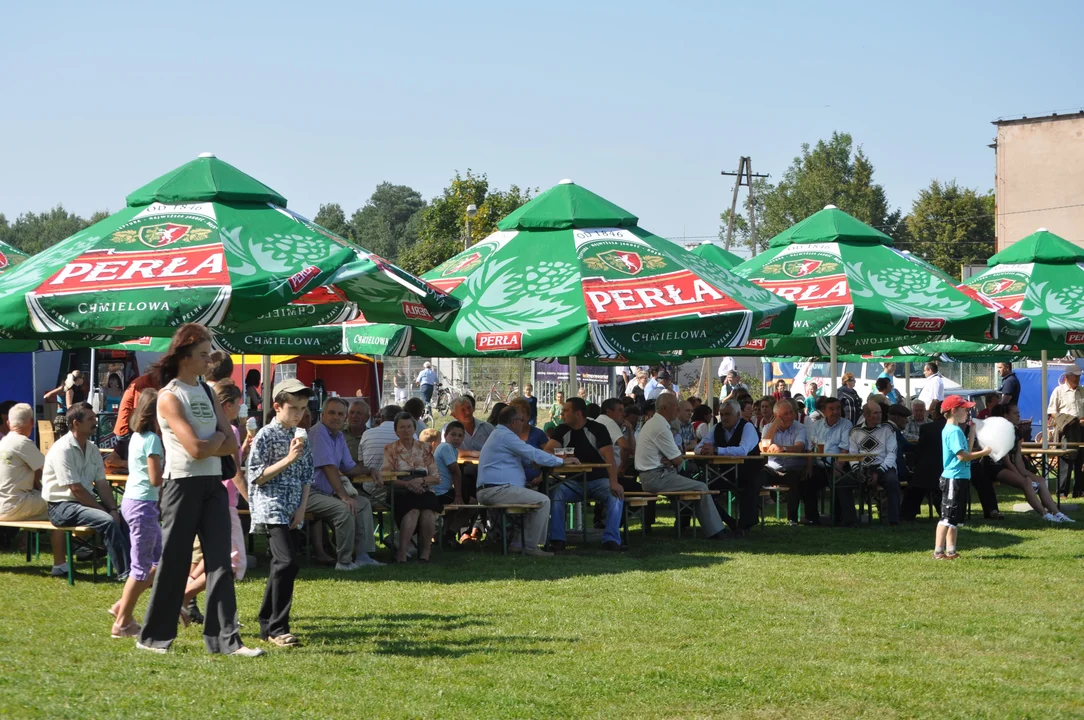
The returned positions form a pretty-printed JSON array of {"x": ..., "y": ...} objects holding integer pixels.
[{"x": 948, "y": 225}]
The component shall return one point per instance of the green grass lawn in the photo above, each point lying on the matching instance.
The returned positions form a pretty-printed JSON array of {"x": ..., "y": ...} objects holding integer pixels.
[{"x": 795, "y": 623}]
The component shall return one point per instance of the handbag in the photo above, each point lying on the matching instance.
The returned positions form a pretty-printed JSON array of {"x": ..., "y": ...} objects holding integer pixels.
[{"x": 229, "y": 462}]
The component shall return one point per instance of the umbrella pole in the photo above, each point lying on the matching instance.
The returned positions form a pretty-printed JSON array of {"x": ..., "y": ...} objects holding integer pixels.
[
  {"x": 907, "y": 379},
  {"x": 519, "y": 386},
  {"x": 267, "y": 383},
  {"x": 1044, "y": 401},
  {"x": 376, "y": 381},
  {"x": 90, "y": 380},
  {"x": 834, "y": 364},
  {"x": 573, "y": 381}
]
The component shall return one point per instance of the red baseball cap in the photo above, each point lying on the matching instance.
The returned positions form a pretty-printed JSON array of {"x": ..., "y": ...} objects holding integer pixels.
[{"x": 955, "y": 401}]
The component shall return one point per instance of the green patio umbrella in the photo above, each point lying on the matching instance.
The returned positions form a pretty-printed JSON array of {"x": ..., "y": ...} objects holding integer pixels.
[
  {"x": 10, "y": 257},
  {"x": 723, "y": 258},
  {"x": 856, "y": 293},
  {"x": 207, "y": 243},
  {"x": 571, "y": 274}
]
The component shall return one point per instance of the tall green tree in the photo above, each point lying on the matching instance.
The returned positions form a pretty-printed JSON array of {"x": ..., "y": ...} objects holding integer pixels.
[
  {"x": 331, "y": 217},
  {"x": 442, "y": 227},
  {"x": 386, "y": 224},
  {"x": 831, "y": 172},
  {"x": 951, "y": 226},
  {"x": 33, "y": 232}
]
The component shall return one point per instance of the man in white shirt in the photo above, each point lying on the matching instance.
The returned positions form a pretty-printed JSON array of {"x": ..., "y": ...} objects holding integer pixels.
[
  {"x": 785, "y": 435},
  {"x": 371, "y": 450},
  {"x": 657, "y": 460},
  {"x": 934, "y": 387},
  {"x": 833, "y": 431},
  {"x": 1066, "y": 408},
  {"x": 20, "y": 478},
  {"x": 612, "y": 418},
  {"x": 73, "y": 467},
  {"x": 726, "y": 367}
]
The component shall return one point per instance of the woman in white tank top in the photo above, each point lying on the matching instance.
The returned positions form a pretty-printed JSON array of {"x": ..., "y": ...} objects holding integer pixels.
[{"x": 196, "y": 436}]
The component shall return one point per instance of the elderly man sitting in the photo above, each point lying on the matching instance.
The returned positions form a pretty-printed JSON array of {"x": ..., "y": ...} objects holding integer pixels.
[
  {"x": 20, "y": 478},
  {"x": 919, "y": 417},
  {"x": 333, "y": 497},
  {"x": 371, "y": 452},
  {"x": 657, "y": 460},
  {"x": 501, "y": 479},
  {"x": 784, "y": 435},
  {"x": 736, "y": 436},
  {"x": 879, "y": 440},
  {"x": 357, "y": 418},
  {"x": 833, "y": 431},
  {"x": 73, "y": 467}
]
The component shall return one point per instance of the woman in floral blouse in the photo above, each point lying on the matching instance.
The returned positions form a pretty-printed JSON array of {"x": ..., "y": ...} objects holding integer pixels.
[{"x": 416, "y": 507}]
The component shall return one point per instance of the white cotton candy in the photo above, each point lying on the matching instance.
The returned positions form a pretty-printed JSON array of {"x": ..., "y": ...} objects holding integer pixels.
[{"x": 998, "y": 434}]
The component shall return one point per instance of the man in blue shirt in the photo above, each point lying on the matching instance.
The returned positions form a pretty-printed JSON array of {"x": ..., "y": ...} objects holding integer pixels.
[
  {"x": 1010, "y": 384},
  {"x": 427, "y": 379},
  {"x": 501, "y": 479},
  {"x": 333, "y": 497}
]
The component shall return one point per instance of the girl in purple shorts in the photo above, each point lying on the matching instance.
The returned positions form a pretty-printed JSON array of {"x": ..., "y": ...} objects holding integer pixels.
[{"x": 139, "y": 508}]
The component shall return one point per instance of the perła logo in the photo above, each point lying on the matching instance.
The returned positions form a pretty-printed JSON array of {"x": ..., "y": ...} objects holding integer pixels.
[
  {"x": 611, "y": 302},
  {"x": 3, "y": 260},
  {"x": 917, "y": 324},
  {"x": 300, "y": 279},
  {"x": 416, "y": 311},
  {"x": 1074, "y": 337},
  {"x": 624, "y": 261},
  {"x": 823, "y": 291},
  {"x": 493, "y": 341},
  {"x": 100, "y": 270}
]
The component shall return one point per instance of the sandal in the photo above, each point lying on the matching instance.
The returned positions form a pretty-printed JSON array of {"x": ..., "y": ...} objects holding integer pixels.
[
  {"x": 284, "y": 640},
  {"x": 130, "y": 630}
]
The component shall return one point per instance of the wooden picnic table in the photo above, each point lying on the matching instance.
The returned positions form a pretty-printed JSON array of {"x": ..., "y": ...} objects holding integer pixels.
[{"x": 837, "y": 473}]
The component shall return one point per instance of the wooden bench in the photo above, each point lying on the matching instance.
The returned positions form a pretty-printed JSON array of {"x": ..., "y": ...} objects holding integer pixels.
[
  {"x": 502, "y": 509},
  {"x": 34, "y": 527},
  {"x": 681, "y": 500}
]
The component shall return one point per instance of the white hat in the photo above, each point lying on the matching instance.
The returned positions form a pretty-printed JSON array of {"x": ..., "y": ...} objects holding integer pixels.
[{"x": 427, "y": 364}]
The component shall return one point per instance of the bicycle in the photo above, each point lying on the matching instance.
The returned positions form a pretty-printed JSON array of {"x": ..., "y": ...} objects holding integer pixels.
[
  {"x": 445, "y": 395},
  {"x": 495, "y": 394}
]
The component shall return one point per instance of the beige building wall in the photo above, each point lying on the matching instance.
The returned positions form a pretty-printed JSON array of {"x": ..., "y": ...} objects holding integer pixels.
[{"x": 1040, "y": 166}]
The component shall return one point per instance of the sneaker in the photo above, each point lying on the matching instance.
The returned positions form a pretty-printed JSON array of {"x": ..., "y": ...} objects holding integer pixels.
[
  {"x": 346, "y": 568},
  {"x": 1062, "y": 517},
  {"x": 611, "y": 546},
  {"x": 368, "y": 562},
  {"x": 516, "y": 547},
  {"x": 557, "y": 546},
  {"x": 148, "y": 648},
  {"x": 537, "y": 552},
  {"x": 244, "y": 651},
  {"x": 1051, "y": 518},
  {"x": 59, "y": 570},
  {"x": 193, "y": 612}
]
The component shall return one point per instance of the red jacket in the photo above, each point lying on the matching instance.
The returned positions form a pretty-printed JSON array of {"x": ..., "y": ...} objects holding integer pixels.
[{"x": 128, "y": 401}]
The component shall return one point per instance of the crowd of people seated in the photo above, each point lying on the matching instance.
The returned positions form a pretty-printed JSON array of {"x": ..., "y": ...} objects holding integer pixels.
[{"x": 194, "y": 460}]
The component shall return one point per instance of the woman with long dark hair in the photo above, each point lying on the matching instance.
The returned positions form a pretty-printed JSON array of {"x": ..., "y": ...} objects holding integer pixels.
[
  {"x": 252, "y": 393},
  {"x": 196, "y": 435}
]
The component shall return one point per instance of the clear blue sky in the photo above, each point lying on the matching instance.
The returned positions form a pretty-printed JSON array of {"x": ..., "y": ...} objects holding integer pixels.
[{"x": 643, "y": 103}]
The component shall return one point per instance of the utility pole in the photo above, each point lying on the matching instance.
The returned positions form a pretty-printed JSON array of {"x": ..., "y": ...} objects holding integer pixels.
[{"x": 743, "y": 176}]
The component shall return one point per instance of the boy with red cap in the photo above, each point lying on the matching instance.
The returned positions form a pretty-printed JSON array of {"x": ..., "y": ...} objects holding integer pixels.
[{"x": 956, "y": 457}]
